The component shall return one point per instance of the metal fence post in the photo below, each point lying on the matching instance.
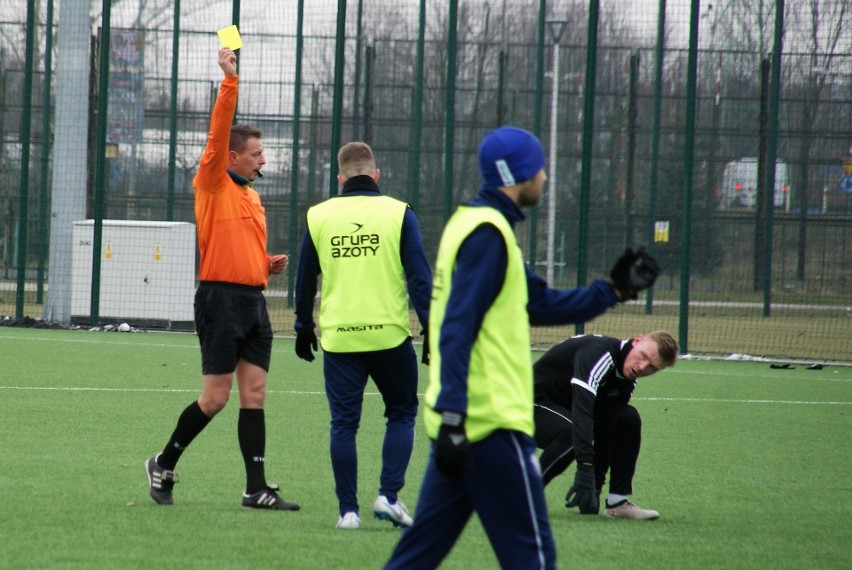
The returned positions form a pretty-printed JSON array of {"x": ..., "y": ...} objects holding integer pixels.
[
  {"x": 294, "y": 160},
  {"x": 26, "y": 117},
  {"x": 688, "y": 158},
  {"x": 588, "y": 144}
]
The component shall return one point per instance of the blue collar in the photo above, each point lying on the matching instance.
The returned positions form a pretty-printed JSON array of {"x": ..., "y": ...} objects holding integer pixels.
[{"x": 496, "y": 199}]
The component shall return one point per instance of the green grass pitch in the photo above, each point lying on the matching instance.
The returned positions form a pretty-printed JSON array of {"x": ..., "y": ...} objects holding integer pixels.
[{"x": 748, "y": 466}]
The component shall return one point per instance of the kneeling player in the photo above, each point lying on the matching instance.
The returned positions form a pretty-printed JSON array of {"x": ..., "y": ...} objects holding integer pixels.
[{"x": 583, "y": 387}]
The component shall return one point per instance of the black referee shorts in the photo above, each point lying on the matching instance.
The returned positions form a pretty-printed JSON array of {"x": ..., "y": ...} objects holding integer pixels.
[{"x": 232, "y": 322}]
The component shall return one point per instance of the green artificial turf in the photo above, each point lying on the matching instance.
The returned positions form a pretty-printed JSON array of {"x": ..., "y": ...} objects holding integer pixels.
[{"x": 748, "y": 466}]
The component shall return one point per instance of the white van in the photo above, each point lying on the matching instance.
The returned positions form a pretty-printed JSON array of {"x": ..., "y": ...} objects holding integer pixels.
[{"x": 739, "y": 185}]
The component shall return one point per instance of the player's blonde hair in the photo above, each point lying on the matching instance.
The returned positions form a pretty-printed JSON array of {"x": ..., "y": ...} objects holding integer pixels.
[
  {"x": 356, "y": 158},
  {"x": 667, "y": 346}
]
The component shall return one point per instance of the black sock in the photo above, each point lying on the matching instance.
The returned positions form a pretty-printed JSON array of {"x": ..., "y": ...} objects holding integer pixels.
[
  {"x": 251, "y": 431},
  {"x": 191, "y": 422}
]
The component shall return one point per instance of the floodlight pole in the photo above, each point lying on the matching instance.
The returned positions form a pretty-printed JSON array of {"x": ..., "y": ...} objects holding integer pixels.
[{"x": 557, "y": 28}]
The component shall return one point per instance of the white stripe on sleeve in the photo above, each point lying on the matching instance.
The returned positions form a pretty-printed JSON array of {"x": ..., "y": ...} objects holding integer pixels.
[{"x": 599, "y": 370}]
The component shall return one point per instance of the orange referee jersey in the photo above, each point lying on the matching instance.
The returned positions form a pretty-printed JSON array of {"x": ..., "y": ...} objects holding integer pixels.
[{"x": 230, "y": 220}]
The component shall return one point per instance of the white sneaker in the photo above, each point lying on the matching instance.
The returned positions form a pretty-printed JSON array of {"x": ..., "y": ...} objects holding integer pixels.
[
  {"x": 629, "y": 510},
  {"x": 397, "y": 513},
  {"x": 349, "y": 521}
]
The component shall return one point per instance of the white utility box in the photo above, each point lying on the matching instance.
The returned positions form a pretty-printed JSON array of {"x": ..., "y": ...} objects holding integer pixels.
[{"x": 147, "y": 271}]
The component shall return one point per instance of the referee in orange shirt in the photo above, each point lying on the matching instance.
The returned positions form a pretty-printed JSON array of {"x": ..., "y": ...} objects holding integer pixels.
[{"x": 231, "y": 318}]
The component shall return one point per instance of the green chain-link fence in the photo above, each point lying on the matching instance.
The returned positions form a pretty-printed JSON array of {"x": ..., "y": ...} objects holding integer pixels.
[{"x": 664, "y": 141}]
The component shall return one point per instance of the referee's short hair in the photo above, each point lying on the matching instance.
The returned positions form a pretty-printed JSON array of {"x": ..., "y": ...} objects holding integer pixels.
[{"x": 240, "y": 134}]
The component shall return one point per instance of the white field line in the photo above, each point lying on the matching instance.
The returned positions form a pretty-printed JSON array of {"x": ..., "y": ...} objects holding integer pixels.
[
  {"x": 101, "y": 339},
  {"x": 102, "y": 336},
  {"x": 30, "y": 286},
  {"x": 322, "y": 393},
  {"x": 157, "y": 390},
  {"x": 729, "y": 401},
  {"x": 813, "y": 375},
  {"x": 318, "y": 393}
]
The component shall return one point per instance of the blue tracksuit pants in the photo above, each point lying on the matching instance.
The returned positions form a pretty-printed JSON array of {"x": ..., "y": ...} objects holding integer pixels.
[
  {"x": 394, "y": 371},
  {"x": 504, "y": 487}
]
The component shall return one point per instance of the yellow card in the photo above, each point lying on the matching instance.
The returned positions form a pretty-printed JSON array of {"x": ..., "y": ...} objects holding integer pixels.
[{"x": 230, "y": 38}]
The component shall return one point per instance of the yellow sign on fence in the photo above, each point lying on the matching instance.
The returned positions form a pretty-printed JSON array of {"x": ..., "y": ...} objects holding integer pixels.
[{"x": 661, "y": 232}]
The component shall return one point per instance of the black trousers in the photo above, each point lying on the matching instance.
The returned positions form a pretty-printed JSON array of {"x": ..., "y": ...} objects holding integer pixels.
[{"x": 618, "y": 436}]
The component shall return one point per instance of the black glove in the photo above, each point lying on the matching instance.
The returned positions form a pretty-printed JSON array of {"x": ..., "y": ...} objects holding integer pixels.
[
  {"x": 635, "y": 271},
  {"x": 452, "y": 449},
  {"x": 305, "y": 339},
  {"x": 582, "y": 493},
  {"x": 425, "y": 357}
]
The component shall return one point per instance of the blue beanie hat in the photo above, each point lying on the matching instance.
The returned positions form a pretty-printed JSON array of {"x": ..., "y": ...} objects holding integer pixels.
[{"x": 509, "y": 156}]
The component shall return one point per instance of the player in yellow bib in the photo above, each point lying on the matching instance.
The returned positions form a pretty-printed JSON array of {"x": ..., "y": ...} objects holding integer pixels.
[
  {"x": 479, "y": 402},
  {"x": 369, "y": 251}
]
